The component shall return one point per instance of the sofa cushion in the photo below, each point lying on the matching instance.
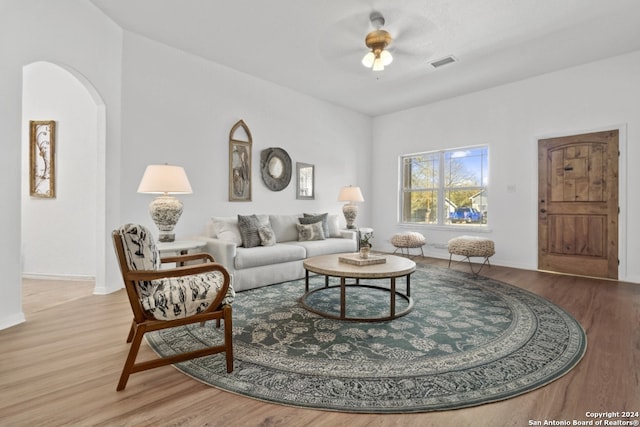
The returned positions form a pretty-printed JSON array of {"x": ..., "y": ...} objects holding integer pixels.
[
  {"x": 178, "y": 297},
  {"x": 139, "y": 247},
  {"x": 311, "y": 218},
  {"x": 333, "y": 222},
  {"x": 268, "y": 255},
  {"x": 284, "y": 227},
  {"x": 226, "y": 228},
  {"x": 325, "y": 247}
]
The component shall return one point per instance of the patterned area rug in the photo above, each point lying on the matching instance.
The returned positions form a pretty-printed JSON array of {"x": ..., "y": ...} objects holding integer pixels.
[{"x": 468, "y": 341}]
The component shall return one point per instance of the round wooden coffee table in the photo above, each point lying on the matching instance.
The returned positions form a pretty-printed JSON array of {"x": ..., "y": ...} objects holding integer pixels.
[{"x": 331, "y": 266}]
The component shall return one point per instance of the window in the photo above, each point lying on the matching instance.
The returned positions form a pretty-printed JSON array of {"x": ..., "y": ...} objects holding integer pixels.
[{"x": 445, "y": 187}]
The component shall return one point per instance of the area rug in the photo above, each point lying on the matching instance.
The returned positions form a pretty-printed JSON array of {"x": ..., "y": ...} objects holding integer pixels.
[{"x": 468, "y": 341}]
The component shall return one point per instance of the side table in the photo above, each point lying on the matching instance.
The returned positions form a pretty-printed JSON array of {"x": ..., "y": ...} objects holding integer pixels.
[{"x": 180, "y": 247}]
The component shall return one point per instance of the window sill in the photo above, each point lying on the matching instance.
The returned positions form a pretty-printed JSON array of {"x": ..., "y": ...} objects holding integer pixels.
[{"x": 448, "y": 227}]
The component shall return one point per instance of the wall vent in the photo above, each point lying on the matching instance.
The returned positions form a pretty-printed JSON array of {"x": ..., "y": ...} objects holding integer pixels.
[{"x": 444, "y": 61}]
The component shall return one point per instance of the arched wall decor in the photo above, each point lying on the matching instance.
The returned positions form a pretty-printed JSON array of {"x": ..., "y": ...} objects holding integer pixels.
[
  {"x": 240, "y": 164},
  {"x": 275, "y": 168}
]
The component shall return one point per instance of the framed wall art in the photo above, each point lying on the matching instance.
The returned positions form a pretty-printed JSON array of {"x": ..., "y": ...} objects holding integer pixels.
[
  {"x": 240, "y": 163},
  {"x": 305, "y": 176},
  {"x": 42, "y": 159}
]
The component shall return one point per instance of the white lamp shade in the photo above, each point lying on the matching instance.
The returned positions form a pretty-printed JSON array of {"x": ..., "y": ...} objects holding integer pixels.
[
  {"x": 386, "y": 57},
  {"x": 165, "y": 179},
  {"x": 350, "y": 194},
  {"x": 378, "y": 65},
  {"x": 368, "y": 59}
]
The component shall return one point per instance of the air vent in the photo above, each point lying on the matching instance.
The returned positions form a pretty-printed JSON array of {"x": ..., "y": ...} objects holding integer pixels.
[{"x": 444, "y": 61}]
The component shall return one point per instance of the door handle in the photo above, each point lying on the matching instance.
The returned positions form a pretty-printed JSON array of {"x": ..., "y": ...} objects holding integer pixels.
[{"x": 543, "y": 211}]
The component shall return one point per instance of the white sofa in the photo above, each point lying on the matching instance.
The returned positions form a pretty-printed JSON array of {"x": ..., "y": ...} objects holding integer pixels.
[{"x": 278, "y": 261}]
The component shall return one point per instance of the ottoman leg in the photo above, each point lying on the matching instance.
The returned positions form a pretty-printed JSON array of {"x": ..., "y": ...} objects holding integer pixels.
[
  {"x": 471, "y": 267},
  {"x": 475, "y": 273}
]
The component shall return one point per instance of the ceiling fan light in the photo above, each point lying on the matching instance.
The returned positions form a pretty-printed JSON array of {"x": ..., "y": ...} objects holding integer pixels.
[
  {"x": 368, "y": 59},
  {"x": 386, "y": 57},
  {"x": 378, "y": 65}
]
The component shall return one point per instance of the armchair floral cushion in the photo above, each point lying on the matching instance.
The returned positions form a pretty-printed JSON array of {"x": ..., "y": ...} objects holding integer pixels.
[{"x": 172, "y": 297}]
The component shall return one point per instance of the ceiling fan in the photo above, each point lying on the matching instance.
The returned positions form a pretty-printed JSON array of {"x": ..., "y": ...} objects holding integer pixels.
[
  {"x": 377, "y": 40},
  {"x": 390, "y": 35}
]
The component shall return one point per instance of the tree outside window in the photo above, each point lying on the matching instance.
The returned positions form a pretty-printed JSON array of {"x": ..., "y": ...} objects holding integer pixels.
[{"x": 445, "y": 187}]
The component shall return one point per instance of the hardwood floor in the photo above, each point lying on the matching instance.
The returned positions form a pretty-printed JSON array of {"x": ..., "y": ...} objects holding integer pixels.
[
  {"x": 61, "y": 367},
  {"x": 38, "y": 294}
]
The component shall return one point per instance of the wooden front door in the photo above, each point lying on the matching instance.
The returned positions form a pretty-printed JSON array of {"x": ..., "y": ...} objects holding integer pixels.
[{"x": 578, "y": 204}]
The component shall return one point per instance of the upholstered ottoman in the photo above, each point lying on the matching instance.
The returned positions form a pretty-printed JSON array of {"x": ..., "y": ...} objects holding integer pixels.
[
  {"x": 472, "y": 246},
  {"x": 408, "y": 240}
]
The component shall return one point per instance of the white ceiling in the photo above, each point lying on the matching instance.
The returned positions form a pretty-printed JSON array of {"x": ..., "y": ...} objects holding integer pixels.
[{"x": 315, "y": 46}]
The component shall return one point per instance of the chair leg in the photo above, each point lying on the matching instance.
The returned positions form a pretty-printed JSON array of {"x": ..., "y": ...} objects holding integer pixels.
[
  {"x": 131, "y": 358},
  {"x": 228, "y": 338},
  {"x": 131, "y": 330}
]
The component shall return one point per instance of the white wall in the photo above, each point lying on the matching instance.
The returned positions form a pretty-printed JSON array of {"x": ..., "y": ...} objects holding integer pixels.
[
  {"x": 511, "y": 118},
  {"x": 76, "y": 36},
  {"x": 179, "y": 109},
  {"x": 58, "y": 234}
]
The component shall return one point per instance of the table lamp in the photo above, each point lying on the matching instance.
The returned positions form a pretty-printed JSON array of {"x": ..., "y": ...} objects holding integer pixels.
[
  {"x": 165, "y": 210},
  {"x": 350, "y": 194}
]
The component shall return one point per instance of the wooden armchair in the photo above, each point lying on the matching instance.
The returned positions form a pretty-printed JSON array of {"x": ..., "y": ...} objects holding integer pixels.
[{"x": 166, "y": 298}]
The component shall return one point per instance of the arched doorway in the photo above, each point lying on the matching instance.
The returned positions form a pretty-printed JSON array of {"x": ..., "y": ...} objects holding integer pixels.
[{"x": 65, "y": 237}]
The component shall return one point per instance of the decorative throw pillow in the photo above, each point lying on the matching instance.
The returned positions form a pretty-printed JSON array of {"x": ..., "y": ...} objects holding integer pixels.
[
  {"x": 226, "y": 228},
  {"x": 248, "y": 225},
  {"x": 311, "y": 218},
  {"x": 267, "y": 236},
  {"x": 308, "y": 232}
]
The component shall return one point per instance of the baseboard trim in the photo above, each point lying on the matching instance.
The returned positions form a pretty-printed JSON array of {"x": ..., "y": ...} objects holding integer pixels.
[
  {"x": 9, "y": 321},
  {"x": 72, "y": 277}
]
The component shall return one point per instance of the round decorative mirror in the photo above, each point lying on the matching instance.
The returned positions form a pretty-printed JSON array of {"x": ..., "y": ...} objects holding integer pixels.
[{"x": 275, "y": 168}]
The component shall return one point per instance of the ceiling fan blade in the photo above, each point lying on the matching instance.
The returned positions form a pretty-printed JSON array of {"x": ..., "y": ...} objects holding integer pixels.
[{"x": 408, "y": 27}]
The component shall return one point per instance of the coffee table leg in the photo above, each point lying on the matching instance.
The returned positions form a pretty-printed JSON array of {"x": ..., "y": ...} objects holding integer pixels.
[
  {"x": 409, "y": 284},
  {"x": 393, "y": 297},
  {"x": 343, "y": 292},
  {"x": 306, "y": 280}
]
